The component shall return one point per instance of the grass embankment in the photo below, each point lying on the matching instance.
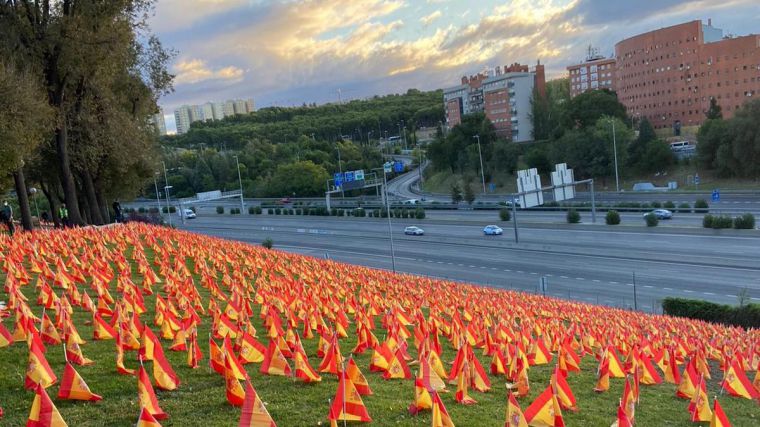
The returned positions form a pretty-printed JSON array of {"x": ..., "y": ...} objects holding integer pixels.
[{"x": 200, "y": 399}]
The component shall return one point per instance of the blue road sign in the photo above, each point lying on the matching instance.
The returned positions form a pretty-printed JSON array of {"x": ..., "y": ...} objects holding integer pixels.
[
  {"x": 492, "y": 187},
  {"x": 696, "y": 179},
  {"x": 398, "y": 167},
  {"x": 349, "y": 176},
  {"x": 716, "y": 195}
]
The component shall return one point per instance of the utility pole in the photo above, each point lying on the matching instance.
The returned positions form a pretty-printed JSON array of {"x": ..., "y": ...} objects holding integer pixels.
[
  {"x": 166, "y": 189},
  {"x": 388, "y": 210},
  {"x": 482, "y": 173},
  {"x": 240, "y": 180},
  {"x": 635, "y": 304},
  {"x": 158, "y": 199},
  {"x": 614, "y": 148}
]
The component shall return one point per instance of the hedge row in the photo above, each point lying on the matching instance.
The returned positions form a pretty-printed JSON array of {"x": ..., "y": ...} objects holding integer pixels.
[
  {"x": 742, "y": 222},
  {"x": 747, "y": 316},
  {"x": 417, "y": 213}
]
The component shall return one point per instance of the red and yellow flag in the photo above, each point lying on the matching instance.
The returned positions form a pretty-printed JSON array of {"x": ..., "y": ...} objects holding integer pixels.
[
  {"x": 146, "y": 419},
  {"x": 514, "y": 415},
  {"x": 719, "y": 418},
  {"x": 347, "y": 404},
  {"x": 234, "y": 391},
  {"x": 564, "y": 393},
  {"x": 147, "y": 396},
  {"x": 356, "y": 377},
  {"x": 689, "y": 380},
  {"x": 545, "y": 410},
  {"x": 304, "y": 371},
  {"x": 73, "y": 386},
  {"x": 275, "y": 362},
  {"x": 43, "y": 412},
  {"x": 38, "y": 370},
  {"x": 603, "y": 374},
  {"x": 74, "y": 353},
  {"x": 254, "y": 413},
  {"x": 163, "y": 373},
  {"x": 699, "y": 407},
  {"x": 422, "y": 398},
  {"x": 440, "y": 416},
  {"x": 736, "y": 383}
]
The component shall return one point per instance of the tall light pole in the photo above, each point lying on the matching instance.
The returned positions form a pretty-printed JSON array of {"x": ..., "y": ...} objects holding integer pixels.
[
  {"x": 158, "y": 199},
  {"x": 240, "y": 180},
  {"x": 388, "y": 211},
  {"x": 482, "y": 173},
  {"x": 368, "y": 134},
  {"x": 166, "y": 189},
  {"x": 614, "y": 149},
  {"x": 404, "y": 126}
]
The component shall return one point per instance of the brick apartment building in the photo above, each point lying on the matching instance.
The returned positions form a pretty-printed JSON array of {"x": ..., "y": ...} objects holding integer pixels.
[
  {"x": 595, "y": 72},
  {"x": 503, "y": 94},
  {"x": 669, "y": 75}
]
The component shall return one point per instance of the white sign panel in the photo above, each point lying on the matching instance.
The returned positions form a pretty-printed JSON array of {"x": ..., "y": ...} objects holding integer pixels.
[
  {"x": 209, "y": 195},
  {"x": 563, "y": 179},
  {"x": 528, "y": 181},
  {"x": 359, "y": 175}
]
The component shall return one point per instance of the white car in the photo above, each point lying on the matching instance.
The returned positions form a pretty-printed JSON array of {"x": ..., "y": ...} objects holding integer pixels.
[
  {"x": 189, "y": 214},
  {"x": 660, "y": 214},
  {"x": 414, "y": 231},
  {"x": 515, "y": 201},
  {"x": 493, "y": 230}
]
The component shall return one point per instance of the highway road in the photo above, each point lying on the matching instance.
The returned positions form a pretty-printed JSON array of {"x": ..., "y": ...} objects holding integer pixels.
[{"x": 594, "y": 264}]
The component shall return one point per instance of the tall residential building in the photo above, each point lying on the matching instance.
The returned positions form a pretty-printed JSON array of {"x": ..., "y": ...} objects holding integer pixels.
[
  {"x": 669, "y": 75},
  {"x": 182, "y": 119},
  {"x": 188, "y": 114},
  {"x": 595, "y": 72},
  {"x": 158, "y": 121},
  {"x": 504, "y": 95}
]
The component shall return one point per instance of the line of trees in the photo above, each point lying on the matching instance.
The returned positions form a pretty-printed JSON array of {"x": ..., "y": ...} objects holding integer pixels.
[
  {"x": 80, "y": 80},
  {"x": 731, "y": 147}
]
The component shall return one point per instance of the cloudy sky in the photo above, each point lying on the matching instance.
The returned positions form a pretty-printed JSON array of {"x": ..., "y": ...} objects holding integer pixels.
[{"x": 288, "y": 52}]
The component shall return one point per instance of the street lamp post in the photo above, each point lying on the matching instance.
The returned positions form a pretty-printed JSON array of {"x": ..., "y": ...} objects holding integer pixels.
[
  {"x": 158, "y": 199},
  {"x": 614, "y": 149},
  {"x": 240, "y": 181},
  {"x": 482, "y": 172},
  {"x": 388, "y": 211},
  {"x": 368, "y": 134},
  {"x": 166, "y": 189}
]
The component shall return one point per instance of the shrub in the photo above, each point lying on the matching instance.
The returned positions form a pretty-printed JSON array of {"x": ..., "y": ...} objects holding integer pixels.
[
  {"x": 656, "y": 205},
  {"x": 707, "y": 221},
  {"x": 220, "y": 209},
  {"x": 419, "y": 213},
  {"x": 270, "y": 211},
  {"x": 573, "y": 217},
  {"x": 669, "y": 205},
  {"x": 277, "y": 211},
  {"x": 383, "y": 213},
  {"x": 233, "y": 211},
  {"x": 651, "y": 220},
  {"x": 645, "y": 206},
  {"x": 376, "y": 214},
  {"x": 141, "y": 210},
  {"x": 341, "y": 212},
  {"x": 744, "y": 222},
  {"x": 251, "y": 210},
  {"x": 165, "y": 209},
  {"x": 172, "y": 209},
  {"x": 722, "y": 221},
  {"x": 267, "y": 243},
  {"x": 701, "y": 206},
  {"x": 334, "y": 211},
  {"x": 684, "y": 208},
  {"x": 747, "y": 315},
  {"x": 322, "y": 211},
  {"x": 504, "y": 214},
  {"x": 612, "y": 218},
  {"x": 258, "y": 210},
  {"x": 312, "y": 211}
]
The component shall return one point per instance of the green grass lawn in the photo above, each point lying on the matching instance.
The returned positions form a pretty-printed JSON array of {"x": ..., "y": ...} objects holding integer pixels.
[{"x": 200, "y": 399}]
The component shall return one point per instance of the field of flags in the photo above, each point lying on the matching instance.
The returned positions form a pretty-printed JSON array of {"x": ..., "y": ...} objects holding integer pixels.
[{"x": 149, "y": 326}]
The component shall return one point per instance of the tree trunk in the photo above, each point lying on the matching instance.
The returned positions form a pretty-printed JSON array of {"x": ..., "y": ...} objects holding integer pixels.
[
  {"x": 92, "y": 200},
  {"x": 67, "y": 179},
  {"x": 23, "y": 199},
  {"x": 102, "y": 203},
  {"x": 53, "y": 204}
]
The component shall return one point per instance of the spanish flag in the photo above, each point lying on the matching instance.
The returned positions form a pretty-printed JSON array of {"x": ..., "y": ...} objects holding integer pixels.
[
  {"x": 397, "y": 367},
  {"x": 275, "y": 362},
  {"x": 699, "y": 407},
  {"x": 564, "y": 393},
  {"x": 514, "y": 415},
  {"x": 689, "y": 380},
  {"x": 146, "y": 419},
  {"x": 101, "y": 330},
  {"x": 163, "y": 373},
  {"x": 38, "y": 370},
  {"x": 304, "y": 371},
  {"x": 422, "y": 399},
  {"x": 440, "y": 417},
  {"x": 356, "y": 377},
  {"x": 254, "y": 413},
  {"x": 736, "y": 383},
  {"x": 347, "y": 404},
  {"x": 463, "y": 383},
  {"x": 719, "y": 418},
  {"x": 74, "y": 353},
  {"x": 44, "y": 413},
  {"x": 545, "y": 410},
  {"x": 603, "y": 374},
  {"x": 251, "y": 350},
  {"x": 234, "y": 391},
  {"x": 216, "y": 357},
  {"x": 73, "y": 386},
  {"x": 147, "y": 396},
  {"x": 6, "y": 338}
]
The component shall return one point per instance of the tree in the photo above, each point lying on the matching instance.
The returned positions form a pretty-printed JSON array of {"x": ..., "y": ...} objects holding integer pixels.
[
  {"x": 25, "y": 120},
  {"x": 537, "y": 157},
  {"x": 714, "y": 111},
  {"x": 585, "y": 109},
  {"x": 547, "y": 111},
  {"x": 458, "y": 151},
  {"x": 456, "y": 193},
  {"x": 712, "y": 134},
  {"x": 469, "y": 194},
  {"x": 638, "y": 150},
  {"x": 301, "y": 179}
]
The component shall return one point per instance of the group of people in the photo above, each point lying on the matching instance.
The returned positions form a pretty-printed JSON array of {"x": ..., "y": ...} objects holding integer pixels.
[{"x": 6, "y": 215}]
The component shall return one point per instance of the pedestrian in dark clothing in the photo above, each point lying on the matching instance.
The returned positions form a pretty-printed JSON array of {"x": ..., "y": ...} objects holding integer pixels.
[
  {"x": 7, "y": 216},
  {"x": 117, "y": 210}
]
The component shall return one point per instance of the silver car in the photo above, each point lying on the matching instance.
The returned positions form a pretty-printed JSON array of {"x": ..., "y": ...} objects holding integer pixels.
[
  {"x": 493, "y": 230},
  {"x": 414, "y": 231},
  {"x": 661, "y": 214}
]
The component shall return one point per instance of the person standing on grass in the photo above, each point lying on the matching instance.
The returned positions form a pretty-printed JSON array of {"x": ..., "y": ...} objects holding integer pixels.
[
  {"x": 63, "y": 214},
  {"x": 7, "y": 216},
  {"x": 117, "y": 210}
]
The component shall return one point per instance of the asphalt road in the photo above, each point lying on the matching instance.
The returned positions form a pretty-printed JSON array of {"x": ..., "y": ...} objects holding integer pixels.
[{"x": 592, "y": 264}]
